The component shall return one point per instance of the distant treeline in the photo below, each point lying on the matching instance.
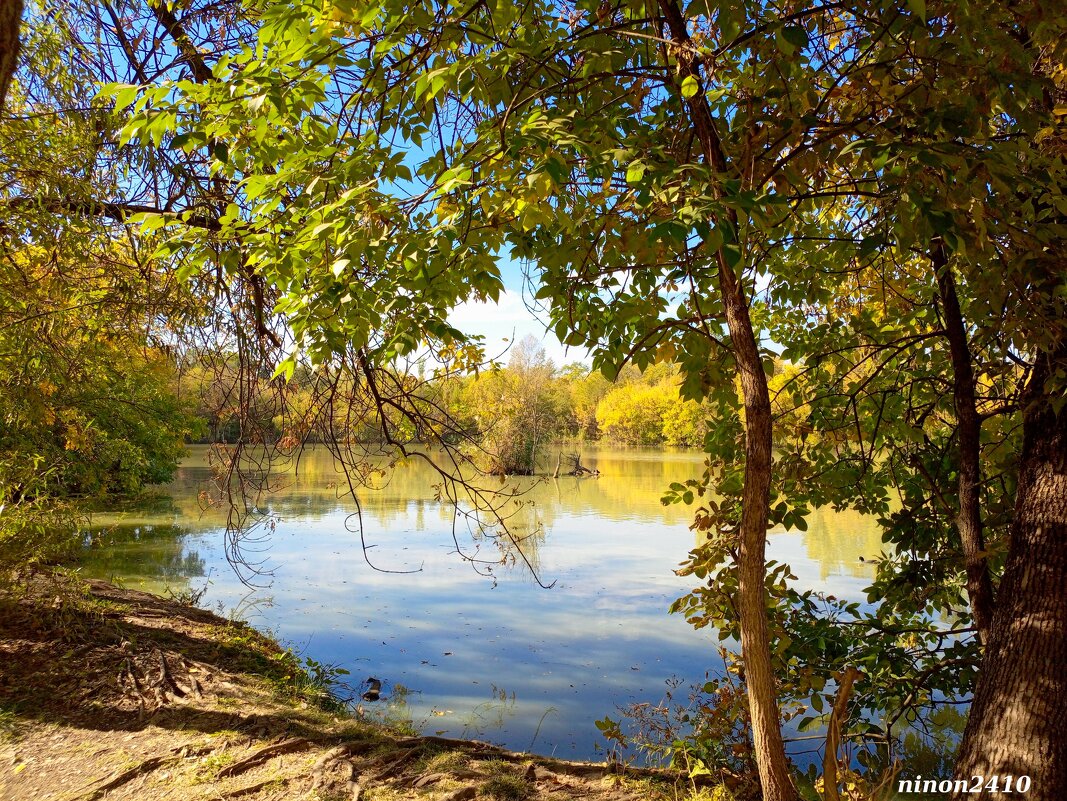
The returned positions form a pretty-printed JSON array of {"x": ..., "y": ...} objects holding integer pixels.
[
  {"x": 571, "y": 402},
  {"x": 511, "y": 410}
]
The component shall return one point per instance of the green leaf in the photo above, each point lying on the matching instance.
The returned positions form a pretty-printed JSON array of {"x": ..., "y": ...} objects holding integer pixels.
[
  {"x": 286, "y": 368},
  {"x": 635, "y": 172},
  {"x": 783, "y": 43},
  {"x": 918, "y": 7},
  {"x": 796, "y": 36},
  {"x": 124, "y": 96},
  {"x": 809, "y": 723},
  {"x": 690, "y": 86}
]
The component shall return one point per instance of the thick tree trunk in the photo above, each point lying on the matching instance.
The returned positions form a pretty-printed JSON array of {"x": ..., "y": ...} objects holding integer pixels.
[
  {"x": 10, "y": 19},
  {"x": 1018, "y": 717},
  {"x": 771, "y": 761},
  {"x": 969, "y": 515}
]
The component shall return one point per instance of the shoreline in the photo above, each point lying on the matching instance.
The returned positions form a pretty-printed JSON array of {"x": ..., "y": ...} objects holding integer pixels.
[{"x": 114, "y": 693}]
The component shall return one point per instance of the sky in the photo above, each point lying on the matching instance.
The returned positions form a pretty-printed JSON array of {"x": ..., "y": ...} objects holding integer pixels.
[{"x": 510, "y": 320}]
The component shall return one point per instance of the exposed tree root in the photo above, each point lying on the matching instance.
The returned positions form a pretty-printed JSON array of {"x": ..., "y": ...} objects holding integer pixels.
[
  {"x": 120, "y": 779},
  {"x": 103, "y": 700},
  {"x": 328, "y": 762},
  {"x": 394, "y": 766},
  {"x": 252, "y": 789},
  {"x": 484, "y": 751},
  {"x": 128, "y": 675},
  {"x": 263, "y": 755}
]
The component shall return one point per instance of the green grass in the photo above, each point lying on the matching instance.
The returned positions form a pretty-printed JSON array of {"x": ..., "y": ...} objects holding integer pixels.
[
  {"x": 208, "y": 770},
  {"x": 331, "y": 795},
  {"x": 290, "y": 679},
  {"x": 504, "y": 787}
]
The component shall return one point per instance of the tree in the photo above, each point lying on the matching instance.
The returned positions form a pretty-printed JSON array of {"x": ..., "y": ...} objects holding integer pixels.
[
  {"x": 87, "y": 326},
  {"x": 88, "y": 392},
  {"x": 633, "y": 414},
  {"x": 952, "y": 309},
  {"x": 983, "y": 150},
  {"x": 586, "y": 388},
  {"x": 624, "y": 172},
  {"x": 684, "y": 180},
  {"x": 517, "y": 409},
  {"x": 10, "y": 18},
  {"x": 647, "y": 411},
  {"x": 1028, "y": 224}
]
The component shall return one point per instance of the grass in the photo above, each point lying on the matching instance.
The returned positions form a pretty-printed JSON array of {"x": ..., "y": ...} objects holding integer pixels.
[
  {"x": 331, "y": 795},
  {"x": 187, "y": 596},
  {"x": 208, "y": 770},
  {"x": 504, "y": 787},
  {"x": 227, "y": 735},
  {"x": 445, "y": 762},
  {"x": 9, "y": 726},
  {"x": 718, "y": 793},
  {"x": 505, "y": 782},
  {"x": 498, "y": 767},
  {"x": 313, "y": 683},
  {"x": 355, "y": 729},
  {"x": 384, "y": 794}
]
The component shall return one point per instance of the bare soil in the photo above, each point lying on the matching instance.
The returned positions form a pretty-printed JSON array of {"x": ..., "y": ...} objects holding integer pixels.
[{"x": 108, "y": 693}]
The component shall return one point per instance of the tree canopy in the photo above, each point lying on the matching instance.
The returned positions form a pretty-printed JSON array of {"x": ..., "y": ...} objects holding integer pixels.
[{"x": 866, "y": 200}]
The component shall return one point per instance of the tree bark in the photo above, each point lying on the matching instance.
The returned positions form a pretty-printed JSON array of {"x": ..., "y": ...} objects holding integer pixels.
[
  {"x": 833, "y": 733},
  {"x": 771, "y": 761},
  {"x": 1017, "y": 718},
  {"x": 773, "y": 765},
  {"x": 10, "y": 19},
  {"x": 969, "y": 516}
]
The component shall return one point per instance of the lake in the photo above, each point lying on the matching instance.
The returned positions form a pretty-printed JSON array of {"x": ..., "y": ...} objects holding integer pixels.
[{"x": 461, "y": 654}]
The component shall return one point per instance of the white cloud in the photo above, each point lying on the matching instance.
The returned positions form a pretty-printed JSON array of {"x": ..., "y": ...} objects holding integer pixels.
[{"x": 507, "y": 322}]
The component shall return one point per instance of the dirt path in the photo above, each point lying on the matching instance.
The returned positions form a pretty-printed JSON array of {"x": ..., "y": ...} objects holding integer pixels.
[{"x": 117, "y": 694}]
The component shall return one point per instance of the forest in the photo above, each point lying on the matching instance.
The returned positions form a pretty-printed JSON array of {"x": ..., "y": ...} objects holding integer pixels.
[
  {"x": 822, "y": 244},
  {"x": 512, "y": 407}
]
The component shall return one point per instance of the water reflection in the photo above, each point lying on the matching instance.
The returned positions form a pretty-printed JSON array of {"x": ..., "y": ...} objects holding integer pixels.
[
  {"x": 843, "y": 542},
  {"x": 146, "y": 551},
  {"x": 566, "y": 656}
]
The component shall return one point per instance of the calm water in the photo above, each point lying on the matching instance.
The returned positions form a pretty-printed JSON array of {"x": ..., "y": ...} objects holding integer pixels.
[{"x": 504, "y": 660}]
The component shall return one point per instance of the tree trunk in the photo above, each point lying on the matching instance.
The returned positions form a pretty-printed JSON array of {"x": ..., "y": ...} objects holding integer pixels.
[
  {"x": 771, "y": 761},
  {"x": 830, "y": 755},
  {"x": 969, "y": 516},
  {"x": 1017, "y": 719},
  {"x": 775, "y": 778},
  {"x": 10, "y": 19}
]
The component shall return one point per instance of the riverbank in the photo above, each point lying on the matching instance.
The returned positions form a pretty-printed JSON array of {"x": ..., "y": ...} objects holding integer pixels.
[{"x": 119, "y": 694}]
